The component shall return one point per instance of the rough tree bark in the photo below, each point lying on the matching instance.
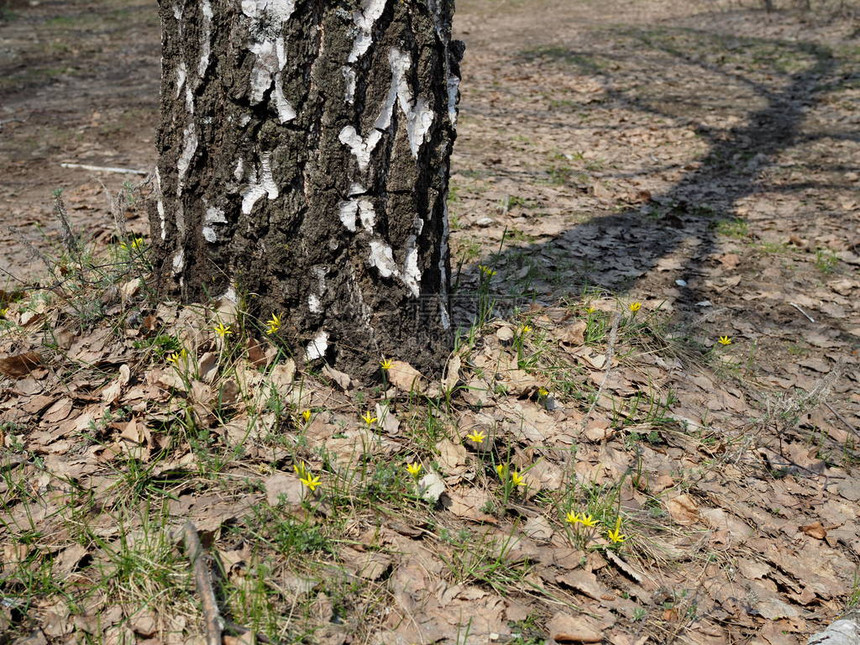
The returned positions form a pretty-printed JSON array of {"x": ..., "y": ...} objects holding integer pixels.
[{"x": 304, "y": 155}]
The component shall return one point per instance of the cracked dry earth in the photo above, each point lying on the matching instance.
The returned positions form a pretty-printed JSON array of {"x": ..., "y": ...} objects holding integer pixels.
[{"x": 698, "y": 157}]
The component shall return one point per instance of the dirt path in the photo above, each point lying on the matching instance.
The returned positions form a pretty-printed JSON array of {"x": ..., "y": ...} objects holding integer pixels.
[
  {"x": 699, "y": 158},
  {"x": 78, "y": 84}
]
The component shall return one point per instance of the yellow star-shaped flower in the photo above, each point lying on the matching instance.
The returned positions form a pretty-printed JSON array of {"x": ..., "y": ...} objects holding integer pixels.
[
  {"x": 273, "y": 324},
  {"x": 587, "y": 520},
  {"x": 223, "y": 330},
  {"x": 477, "y": 436},
  {"x": 724, "y": 340},
  {"x": 616, "y": 536},
  {"x": 413, "y": 468},
  {"x": 369, "y": 419}
]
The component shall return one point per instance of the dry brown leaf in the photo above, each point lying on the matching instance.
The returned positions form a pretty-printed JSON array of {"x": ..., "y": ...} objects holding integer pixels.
[
  {"x": 405, "y": 377},
  {"x": 341, "y": 378},
  {"x": 683, "y": 510},
  {"x": 452, "y": 373},
  {"x": 584, "y": 582},
  {"x": 574, "y": 334},
  {"x": 469, "y": 503},
  {"x": 67, "y": 561},
  {"x": 144, "y": 623},
  {"x": 564, "y": 628},
  {"x": 283, "y": 487},
  {"x": 19, "y": 365},
  {"x": 814, "y": 530},
  {"x": 58, "y": 411},
  {"x": 452, "y": 457}
]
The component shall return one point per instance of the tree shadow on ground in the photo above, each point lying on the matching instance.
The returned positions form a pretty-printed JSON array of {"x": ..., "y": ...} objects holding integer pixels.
[{"x": 774, "y": 85}]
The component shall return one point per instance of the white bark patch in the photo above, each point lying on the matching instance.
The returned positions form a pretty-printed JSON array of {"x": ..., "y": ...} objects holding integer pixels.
[
  {"x": 367, "y": 215},
  {"x": 262, "y": 187},
  {"x": 159, "y": 205},
  {"x": 279, "y": 11},
  {"x": 178, "y": 261},
  {"x": 419, "y": 116},
  {"x": 361, "y": 149},
  {"x": 411, "y": 272},
  {"x": 189, "y": 99},
  {"x": 230, "y": 295},
  {"x": 265, "y": 67},
  {"x": 212, "y": 216},
  {"x": 314, "y": 304},
  {"x": 382, "y": 258},
  {"x": 189, "y": 147},
  {"x": 177, "y": 11},
  {"x": 317, "y": 347},
  {"x": 239, "y": 170},
  {"x": 181, "y": 75},
  {"x": 205, "y": 38},
  {"x": 356, "y": 189},
  {"x": 453, "y": 95},
  {"x": 349, "y": 77},
  {"x": 370, "y": 12},
  {"x": 268, "y": 19},
  {"x": 285, "y": 109},
  {"x": 348, "y": 211}
]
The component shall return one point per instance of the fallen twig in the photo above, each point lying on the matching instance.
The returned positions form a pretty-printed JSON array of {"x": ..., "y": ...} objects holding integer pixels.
[
  {"x": 203, "y": 580},
  {"x": 808, "y": 317},
  {"x": 610, "y": 354},
  {"x": 842, "y": 419},
  {"x": 125, "y": 171}
]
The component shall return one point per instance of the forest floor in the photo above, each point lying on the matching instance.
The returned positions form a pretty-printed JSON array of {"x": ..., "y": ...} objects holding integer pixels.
[{"x": 631, "y": 182}]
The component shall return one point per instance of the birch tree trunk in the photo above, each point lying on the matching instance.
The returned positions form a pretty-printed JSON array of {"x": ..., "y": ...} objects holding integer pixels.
[{"x": 304, "y": 155}]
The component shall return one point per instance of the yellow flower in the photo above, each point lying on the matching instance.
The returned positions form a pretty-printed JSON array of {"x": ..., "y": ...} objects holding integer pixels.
[
  {"x": 135, "y": 245},
  {"x": 477, "y": 436},
  {"x": 587, "y": 520},
  {"x": 635, "y": 306},
  {"x": 543, "y": 392},
  {"x": 223, "y": 330},
  {"x": 525, "y": 329},
  {"x": 369, "y": 419},
  {"x": 502, "y": 470},
  {"x": 273, "y": 324},
  {"x": 386, "y": 363},
  {"x": 517, "y": 479},
  {"x": 175, "y": 357},
  {"x": 3, "y": 312},
  {"x": 724, "y": 340},
  {"x": 616, "y": 536},
  {"x": 590, "y": 309},
  {"x": 306, "y": 477},
  {"x": 414, "y": 469},
  {"x": 573, "y": 518},
  {"x": 306, "y": 415},
  {"x": 487, "y": 271},
  {"x": 301, "y": 470},
  {"x": 311, "y": 482}
]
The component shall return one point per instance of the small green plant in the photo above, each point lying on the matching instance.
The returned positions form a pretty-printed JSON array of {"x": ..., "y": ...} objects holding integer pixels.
[
  {"x": 735, "y": 227},
  {"x": 826, "y": 261}
]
